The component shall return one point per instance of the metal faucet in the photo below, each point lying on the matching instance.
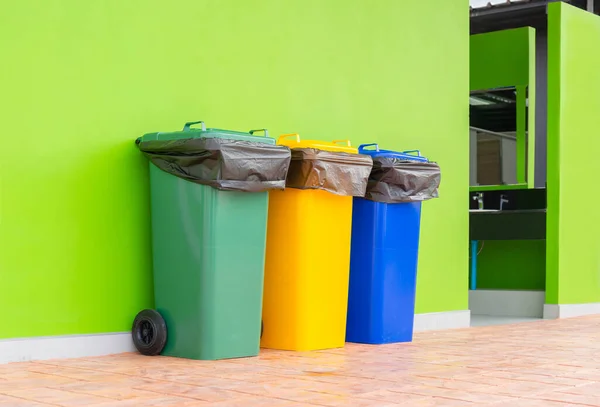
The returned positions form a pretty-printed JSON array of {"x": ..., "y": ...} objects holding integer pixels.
[
  {"x": 503, "y": 200},
  {"x": 479, "y": 198}
]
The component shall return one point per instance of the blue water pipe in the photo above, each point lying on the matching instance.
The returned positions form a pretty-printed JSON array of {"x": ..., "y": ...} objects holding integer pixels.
[{"x": 474, "y": 245}]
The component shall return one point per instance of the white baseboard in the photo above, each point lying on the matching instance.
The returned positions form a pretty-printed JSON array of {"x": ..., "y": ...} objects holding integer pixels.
[
  {"x": 555, "y": 311},
  {"x": 68, "y": 346},
  {"x": 442, "y": 320},
  {"x": 507, "y": 303}
]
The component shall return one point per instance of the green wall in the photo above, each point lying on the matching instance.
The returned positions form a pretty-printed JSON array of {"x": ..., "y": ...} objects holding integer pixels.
[
  {"x": 512, "y": 265},
  {"x": 501, "y": 58},
  {"x": 573, "y": 256},
  {"x": 81, "y": 80}
]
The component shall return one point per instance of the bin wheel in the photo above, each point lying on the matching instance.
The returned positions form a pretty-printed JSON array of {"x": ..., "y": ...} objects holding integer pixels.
[
  {"x": 149, "y": 332},
  {"x": 262, "y": 328}
]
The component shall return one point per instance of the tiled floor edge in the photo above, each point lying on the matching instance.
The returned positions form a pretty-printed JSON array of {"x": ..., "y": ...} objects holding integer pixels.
[
  {"x": 68, "y": 346},
  {"x": 555, "y": 311},
  {"x": 442, "y": 320}
]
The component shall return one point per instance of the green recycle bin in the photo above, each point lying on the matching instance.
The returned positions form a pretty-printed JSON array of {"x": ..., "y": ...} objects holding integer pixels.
[{"x": 209, "y": 200}]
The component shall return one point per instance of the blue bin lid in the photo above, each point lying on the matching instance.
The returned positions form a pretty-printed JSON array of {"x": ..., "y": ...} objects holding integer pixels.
[{"x": 409, "y": 155}]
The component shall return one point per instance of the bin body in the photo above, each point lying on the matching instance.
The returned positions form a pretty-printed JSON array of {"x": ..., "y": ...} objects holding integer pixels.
[
  {"x": 208, "y": 262},
  {"x": 307, "y": 266},
  {"x": 383, "y": 270}
]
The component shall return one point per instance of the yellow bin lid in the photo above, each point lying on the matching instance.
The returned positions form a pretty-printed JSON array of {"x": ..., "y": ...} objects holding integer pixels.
[{"x": 293, "y": 141}]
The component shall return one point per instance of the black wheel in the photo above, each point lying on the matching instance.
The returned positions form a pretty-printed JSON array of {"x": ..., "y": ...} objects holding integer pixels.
[
  {"x": 149, "y": 332},
  {"x": 262, "y": 328}
]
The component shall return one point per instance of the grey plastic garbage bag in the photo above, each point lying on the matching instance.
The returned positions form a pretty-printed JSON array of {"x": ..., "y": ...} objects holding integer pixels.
[
  {"x": 335, "y": 172},
  {"x": 224, "y": 164},
  {"x": 395, "y": 180}
]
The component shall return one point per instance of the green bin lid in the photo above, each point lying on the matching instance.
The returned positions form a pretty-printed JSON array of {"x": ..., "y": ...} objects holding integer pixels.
[{"x": 203, "y": 132}]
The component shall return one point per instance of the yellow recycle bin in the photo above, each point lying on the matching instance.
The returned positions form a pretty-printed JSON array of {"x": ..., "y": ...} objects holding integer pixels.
[{"x": 308, "y": 259}]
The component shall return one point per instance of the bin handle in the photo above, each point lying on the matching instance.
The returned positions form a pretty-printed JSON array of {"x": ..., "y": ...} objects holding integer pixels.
[
  {"x": 409, "y": 152},
  {"x": 263, "y": 130},
  {"x": 188, "y": 125},
  {"x": 284, "y": 136},
  {"x": 346, "y": 142},
  {"x": 363, "y": 147}
]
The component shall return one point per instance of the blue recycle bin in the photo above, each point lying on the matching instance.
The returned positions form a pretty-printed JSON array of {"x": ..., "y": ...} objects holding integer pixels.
[{"x": 383, "y": 265}]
